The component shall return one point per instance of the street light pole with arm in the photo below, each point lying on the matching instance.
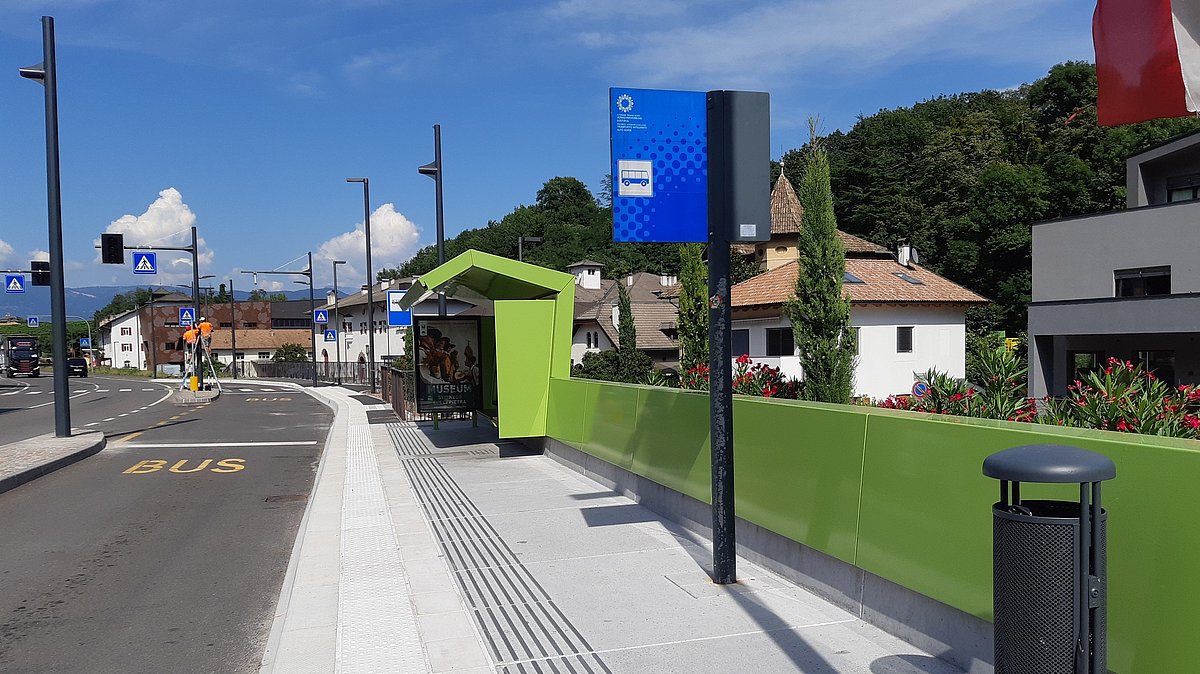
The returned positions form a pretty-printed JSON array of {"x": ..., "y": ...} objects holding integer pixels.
[
  {"x": 337, "y": 320},
  {"x": 366, "y": 183},
  {"x": 311, "y": 304}
]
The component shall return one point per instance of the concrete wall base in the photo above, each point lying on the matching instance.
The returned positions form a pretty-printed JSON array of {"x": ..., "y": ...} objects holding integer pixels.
[{"x": 960, "y": 638}]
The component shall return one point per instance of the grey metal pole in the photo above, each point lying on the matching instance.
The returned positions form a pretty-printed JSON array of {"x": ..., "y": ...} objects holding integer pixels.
[
  {"x": 312, "y": 314},
  {"x": 233, "y": 328},
  {"x": 337, "y": 323},
  {"x": 441, "y": 229},
  {"x": 370, "y": 286},
  {"x": 520, "y": 249},
  {"x": 197, "y": 364},
  {"x": 153, "y": 344},
  {"x": 58, "y": 302}
]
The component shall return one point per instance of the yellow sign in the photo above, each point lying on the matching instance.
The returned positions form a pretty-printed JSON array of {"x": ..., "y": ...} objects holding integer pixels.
[
  {"x": 181, "y": 466},
  {"x": 1011, "y": 343}
]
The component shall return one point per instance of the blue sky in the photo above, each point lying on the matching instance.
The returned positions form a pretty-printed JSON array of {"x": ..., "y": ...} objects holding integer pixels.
[{"x": 245, "y": 117}]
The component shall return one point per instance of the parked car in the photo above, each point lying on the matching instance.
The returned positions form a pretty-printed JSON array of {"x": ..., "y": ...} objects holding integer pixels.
[{"x": 77, "y": 367}]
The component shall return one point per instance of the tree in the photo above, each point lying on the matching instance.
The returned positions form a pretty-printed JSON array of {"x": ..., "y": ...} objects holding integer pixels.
[
  {"x": 818, "y": 309},
  {"x": 122, "y": 303},
  {"x": 290, "y": 353},
  {"x": 635, "y": 365},
  {"x": 693, "y": 306},
  {"x": 260, "y": 295}
]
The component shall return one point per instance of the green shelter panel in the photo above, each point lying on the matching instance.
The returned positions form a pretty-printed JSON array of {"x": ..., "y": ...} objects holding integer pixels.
[{"x": 524, "y": 339}]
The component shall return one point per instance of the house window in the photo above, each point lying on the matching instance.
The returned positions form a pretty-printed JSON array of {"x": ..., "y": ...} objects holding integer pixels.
[
  {"x": 1189, "y": 193},
  {"x": 226, "y": 324},
  {"x": 780, "y": 342},
  {"x": 1142, "y": 282},
  {"x": 851, "y": 278},
  {"x": 125, "y": 332},
  {"x": 264, "y": 355},
  {"x": 241, "y": 355},
  {"x": 741, "y": 342},
  {"x": 589, "y": 340},
  {"x": 1083, "y": 362},
  {"x": 126, "y": 347},
  {"x": 249, "y": 325},
  {"x": 1160, "y": 363},
  {"x": 904, "y": 339},
  {"x": 908, "y": 279}
]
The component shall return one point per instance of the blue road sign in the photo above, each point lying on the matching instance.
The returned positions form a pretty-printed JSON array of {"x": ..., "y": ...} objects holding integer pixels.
[
  {"x": 85, "y": 342},
  {"x": 320, "y": 317},
  {"x": 14, "y": 284},
  {"x": 187, "y": 315},
  {"x": 659, "y": 165},
  {"x": 145, "y": 263},
  {"x": 331, "y": 335},
  {"x": 920, "y": 389},
  {"x": 31, "y": 322},
  {"x": 397, "y": 317}
]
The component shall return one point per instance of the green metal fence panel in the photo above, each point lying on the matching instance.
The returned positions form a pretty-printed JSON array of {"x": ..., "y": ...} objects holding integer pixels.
[
  {"x": 565, "y": 417},
  {"x": 612, "y": 414},
  {"x": 798, "y": 470},
  {"x": 670, "y": 440}
]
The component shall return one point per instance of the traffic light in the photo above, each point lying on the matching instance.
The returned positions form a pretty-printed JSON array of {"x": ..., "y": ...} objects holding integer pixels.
[
  {"x": 112, "y": 249},
  {"x": 39, "y": 273}
]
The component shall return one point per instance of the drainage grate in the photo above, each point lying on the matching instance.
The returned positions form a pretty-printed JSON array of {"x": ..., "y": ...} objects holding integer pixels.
[
  {"x": 381, "y": 417},
  {"x": 367, "y": 400},
  {"x": 523, "y": 627}
]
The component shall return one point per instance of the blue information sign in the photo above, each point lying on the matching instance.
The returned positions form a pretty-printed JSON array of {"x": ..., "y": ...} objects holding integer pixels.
[
  {"x": 145, "y": 263},
  {"x": 14, "y": 284},
  {"x": 331, "y": 335},
  {"x": 659, "y": 165},
  {"x": 85, "y": 342},
  {"x": 31, "y": 322},
  {"x": 187, "y": 315},
  {"x": 320, "y": 316},
  {"x": 397, "y": 317}
]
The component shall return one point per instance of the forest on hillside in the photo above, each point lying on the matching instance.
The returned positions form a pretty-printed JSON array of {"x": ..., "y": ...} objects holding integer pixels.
[{"x": 960, "y": 177}]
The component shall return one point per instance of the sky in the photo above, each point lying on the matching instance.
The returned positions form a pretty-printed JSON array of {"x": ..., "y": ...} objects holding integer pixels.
[{"x": 243, "y": 118}]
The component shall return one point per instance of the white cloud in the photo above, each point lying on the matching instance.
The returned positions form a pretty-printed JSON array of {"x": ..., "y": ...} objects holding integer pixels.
[
  {"x": 6, "y": 251},
  {"x": 591, "y": 9},
  {"x": 39, "y": 255},
  {"x": 166, "y": 222},
  {"x": 393, "y": 240},
  {"x": 769, "y": 41}
]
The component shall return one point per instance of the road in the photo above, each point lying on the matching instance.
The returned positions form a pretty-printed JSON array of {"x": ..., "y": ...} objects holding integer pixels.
[
  {"x": 115, "y": 405},
  {"x": 166, "y": 551}
]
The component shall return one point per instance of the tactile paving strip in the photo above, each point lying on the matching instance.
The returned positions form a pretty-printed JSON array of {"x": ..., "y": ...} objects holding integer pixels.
[
  {"x": 522, "y": 626},
  {"x": 377, "y": 627}
]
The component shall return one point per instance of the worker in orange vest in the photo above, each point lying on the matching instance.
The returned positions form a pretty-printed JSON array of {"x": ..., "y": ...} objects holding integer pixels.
[
  {"x": 190, "y": 335},
  {"x": 206, "y": 329}
]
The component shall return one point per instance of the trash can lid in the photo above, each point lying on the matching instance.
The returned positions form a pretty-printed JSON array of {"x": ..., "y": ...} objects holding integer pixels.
[{"x": 1049, "y": 463}]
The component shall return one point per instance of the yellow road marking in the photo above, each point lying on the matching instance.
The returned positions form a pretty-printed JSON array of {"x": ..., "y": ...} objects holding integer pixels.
[{"x": 131, "y": 436}]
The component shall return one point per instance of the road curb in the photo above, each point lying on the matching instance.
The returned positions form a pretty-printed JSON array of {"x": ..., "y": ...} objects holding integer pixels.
[
  {"x": 60, "y": 452},
  {"x": 194, "y": 397}
]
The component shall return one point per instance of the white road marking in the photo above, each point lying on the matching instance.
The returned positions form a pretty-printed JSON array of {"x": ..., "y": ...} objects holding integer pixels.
[
  {"x": 125, "y": 390},
  {"x": 246, "y": 389},
  {"x": 148, "y": 389},
  {"x": 94, "y": 423},
  {"x": 186, "y": 445},
  {"x": 101, "y": 390},
  {"x": 32, "y": 393},
  {"x": 124, "y": 414},
  {"x": 109, "y": 419}
]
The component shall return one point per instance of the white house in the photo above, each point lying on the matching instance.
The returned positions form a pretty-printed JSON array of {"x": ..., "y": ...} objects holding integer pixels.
[
  {"x": 907, "y": 319},
  {"x": 650, "y": 301}
]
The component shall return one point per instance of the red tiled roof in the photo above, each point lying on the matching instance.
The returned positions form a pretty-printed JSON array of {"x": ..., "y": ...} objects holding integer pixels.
[{"x": 880, "y": 285}]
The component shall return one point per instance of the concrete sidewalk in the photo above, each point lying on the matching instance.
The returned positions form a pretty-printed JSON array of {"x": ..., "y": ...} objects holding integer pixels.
[
  {"x": 424, "y": 551},
  {"x": 27, "y": 460}
]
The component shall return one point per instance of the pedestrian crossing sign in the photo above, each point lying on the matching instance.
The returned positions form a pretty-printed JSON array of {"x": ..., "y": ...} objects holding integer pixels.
[
  {"x": 31, "y": 322},
  {"x": 187, "y": 316},
  {"x": 145, "y": 263},
  {"x": 14, "y": 284},
  {"x": 320, "y": 316},
  {"x": 331, "y": 335}
]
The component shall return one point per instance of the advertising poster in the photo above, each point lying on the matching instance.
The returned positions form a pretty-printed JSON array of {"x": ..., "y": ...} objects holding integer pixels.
[{"x": 448, "y": 366}]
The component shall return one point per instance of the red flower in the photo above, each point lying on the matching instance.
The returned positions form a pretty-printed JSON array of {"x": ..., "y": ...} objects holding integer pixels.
[
  {"x": 1122, "y": 426},
  {"x": 743, "y": 359},
  {"x": 1192, "y": 421}
]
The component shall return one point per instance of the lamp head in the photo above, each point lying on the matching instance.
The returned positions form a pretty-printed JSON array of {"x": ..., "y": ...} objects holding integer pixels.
[
  {"x": 356, "y": 180},
  {"x": 37, "y": 72}
]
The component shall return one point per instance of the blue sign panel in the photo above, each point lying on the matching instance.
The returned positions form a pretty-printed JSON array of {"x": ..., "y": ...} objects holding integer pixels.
[
  {"x": 397, "y": 317},
  {"x": 659, "y": 165},
  {"x": 85, "y": 342},
  {"x": 14, "y": 284},
  {"x": 320, "y": 316},
  {"x": 331, "y": 335},
  {"x": 187, "y": 315},
  {"x": 145, "y": 263},
  {"x": 31, "y": 322}
]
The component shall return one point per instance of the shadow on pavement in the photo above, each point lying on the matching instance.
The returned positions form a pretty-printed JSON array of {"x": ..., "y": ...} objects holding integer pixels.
[
  {"x": 113, "y": 434},
  {"x": 909, "y": 664}
]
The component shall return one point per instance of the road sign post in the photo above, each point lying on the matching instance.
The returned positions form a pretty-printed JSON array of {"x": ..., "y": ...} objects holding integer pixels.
[{"x": 397, "y": 317}]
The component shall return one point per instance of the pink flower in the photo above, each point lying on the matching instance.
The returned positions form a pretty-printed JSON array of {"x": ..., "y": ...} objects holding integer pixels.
[
  {"x": 1192, "y": 421},
  {"x": 1122, "y": 426},
  {"x": 743, "y": 359}
]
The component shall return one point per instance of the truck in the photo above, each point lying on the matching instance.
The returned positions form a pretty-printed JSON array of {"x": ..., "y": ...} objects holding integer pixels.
[{"x": 21, "y": 356}]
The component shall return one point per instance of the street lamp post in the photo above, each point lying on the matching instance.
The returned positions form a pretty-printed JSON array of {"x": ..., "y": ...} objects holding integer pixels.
[
  {"x": 47, "y": 73},
  {"x": 337, "y": 321},
  {"x": 434, "y": 170},
  {"x": 521, "y": 241},
  {"x": 311, "y": 306},
  {"x": 233, "y": 327},
  {"x": 366, "y": 183}
]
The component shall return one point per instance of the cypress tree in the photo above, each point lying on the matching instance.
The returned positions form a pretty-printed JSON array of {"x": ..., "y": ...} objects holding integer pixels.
[
  {"x": 633, "y": 364},
  {"x": 818, "y": 309},
  {"x": 693, "y": 306}
]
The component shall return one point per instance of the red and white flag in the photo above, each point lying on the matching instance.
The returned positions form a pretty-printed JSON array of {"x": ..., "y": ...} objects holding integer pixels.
[{"x": 1147, "y": 59}]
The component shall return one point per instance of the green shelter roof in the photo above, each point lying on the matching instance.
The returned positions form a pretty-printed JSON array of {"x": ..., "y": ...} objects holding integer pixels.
[{"x": 474, "y": 276}]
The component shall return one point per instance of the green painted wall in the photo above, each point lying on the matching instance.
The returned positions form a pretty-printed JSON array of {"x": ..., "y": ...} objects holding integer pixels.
[{"x": 902, "y": 495}]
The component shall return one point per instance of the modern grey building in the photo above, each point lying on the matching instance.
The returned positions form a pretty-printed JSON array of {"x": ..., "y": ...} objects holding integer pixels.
[{"x": 1122, "y": 284}]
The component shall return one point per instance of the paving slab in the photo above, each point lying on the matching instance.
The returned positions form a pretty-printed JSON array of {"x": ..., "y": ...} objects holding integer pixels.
[{"x": 27, "y": 460}]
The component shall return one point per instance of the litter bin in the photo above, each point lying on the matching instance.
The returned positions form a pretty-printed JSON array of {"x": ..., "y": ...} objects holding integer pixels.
[{"x": 1049, "y": 563}]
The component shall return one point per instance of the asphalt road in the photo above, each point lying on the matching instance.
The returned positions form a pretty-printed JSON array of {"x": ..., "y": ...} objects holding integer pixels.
[
  {"x": 115, "y": 405},
  {"x": 166, "y": 551}
]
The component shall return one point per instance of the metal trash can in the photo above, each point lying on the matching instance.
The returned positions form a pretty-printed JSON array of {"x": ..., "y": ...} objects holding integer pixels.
[{"x": 1049, "y": 563}]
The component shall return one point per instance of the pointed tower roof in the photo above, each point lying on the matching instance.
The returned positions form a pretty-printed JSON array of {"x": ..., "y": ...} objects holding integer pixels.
[{"x": 786, "y": 211}]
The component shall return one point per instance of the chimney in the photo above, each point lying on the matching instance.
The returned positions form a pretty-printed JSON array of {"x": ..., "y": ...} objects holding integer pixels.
[{"x": 904, "y": 254}]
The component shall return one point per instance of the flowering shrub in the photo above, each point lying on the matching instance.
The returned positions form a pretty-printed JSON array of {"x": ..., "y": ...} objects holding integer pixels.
[
  {"x": 1124, "y": 397},
  {"x": 748, "y": 379},
  {"x": 695, "y": 379}
]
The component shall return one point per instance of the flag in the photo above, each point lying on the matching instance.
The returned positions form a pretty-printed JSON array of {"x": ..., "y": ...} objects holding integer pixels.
[{"x": 1147, "y": 59}]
